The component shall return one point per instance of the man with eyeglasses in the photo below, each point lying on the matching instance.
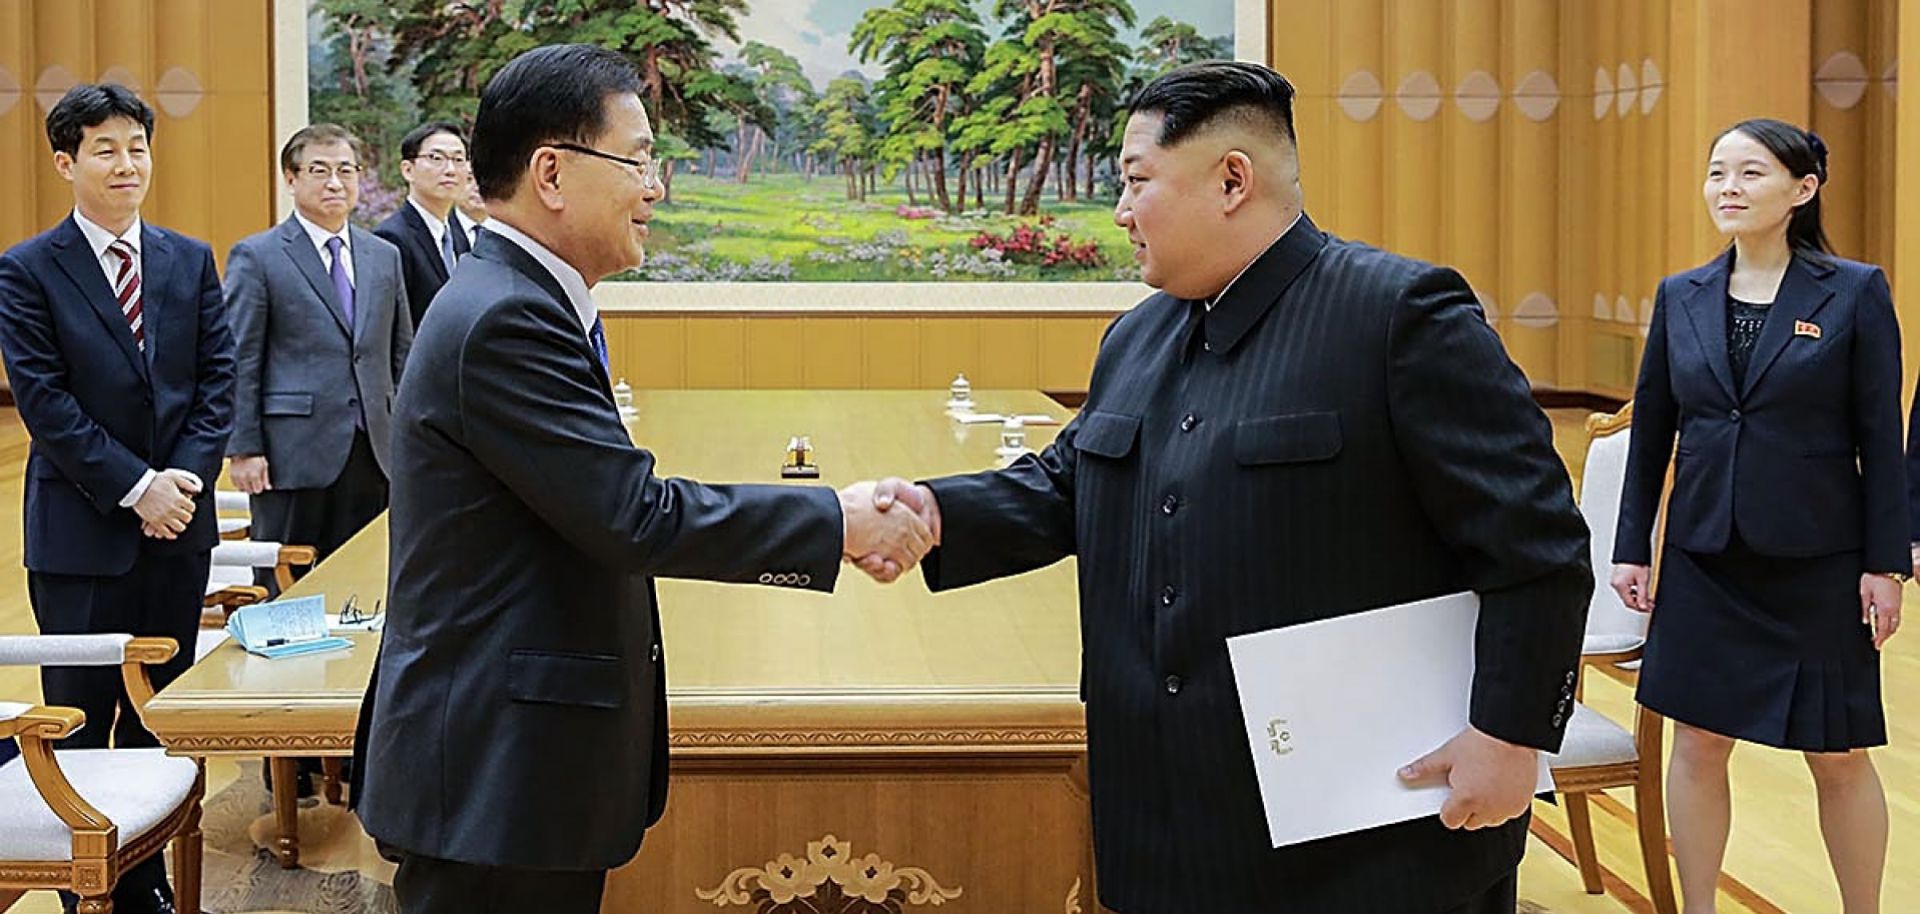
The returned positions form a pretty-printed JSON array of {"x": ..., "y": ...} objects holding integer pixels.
[
  {"x": 321, "y": 330},
  {"x": 515, "y": 734},
  {"x": 428, "y": 230}
]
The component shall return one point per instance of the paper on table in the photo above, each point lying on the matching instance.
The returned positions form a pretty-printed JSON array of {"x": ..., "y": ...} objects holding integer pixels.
[
  {"x": 1335, "y": 708},
  {"x": 284, "y": 628},
  {"x": 1025, "y": 419}
]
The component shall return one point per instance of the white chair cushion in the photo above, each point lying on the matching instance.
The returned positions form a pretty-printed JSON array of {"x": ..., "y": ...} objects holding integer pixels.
[
  {"x": 134, "y": 788},
  {"x": 234, "y": 524},
  {"x": 1610, "y": 644},
  {"x": 227, "y": 501},
  {"x": 246, "y": 554},
  {"x": 63, "y": 650},
  {"x": 12, "y": 709},
  {"x": 221, "y": 577},
  {"x": 1592, "y": 739},
  {"x": 206, "y": 641}
]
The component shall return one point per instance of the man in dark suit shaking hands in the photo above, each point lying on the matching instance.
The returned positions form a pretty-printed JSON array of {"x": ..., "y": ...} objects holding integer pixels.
[
  {"x": 1296, "y": 427},
  {"x": 516, "y": 736},
  {"x": 122, "y": 366}
]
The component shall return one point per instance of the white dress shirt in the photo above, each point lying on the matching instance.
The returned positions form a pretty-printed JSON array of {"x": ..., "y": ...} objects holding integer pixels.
[
  {"x": 100, "y": 239},
  {"x": 320, "y": 236},
  {"x": 571, "y": 282},
  {"x": 436, "y": 226}
]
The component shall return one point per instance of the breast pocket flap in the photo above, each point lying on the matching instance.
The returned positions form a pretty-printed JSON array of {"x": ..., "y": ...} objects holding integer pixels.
[
  {"x": 1297, "y": 438},
  {"x": 588, "y": 680},
  {"x": 286, "y": 405},
  {"x": 1107, "y": 434}
]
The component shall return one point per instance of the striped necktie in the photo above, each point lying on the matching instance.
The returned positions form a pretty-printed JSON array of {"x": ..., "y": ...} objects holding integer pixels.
[{"x": 126, "y": 291}]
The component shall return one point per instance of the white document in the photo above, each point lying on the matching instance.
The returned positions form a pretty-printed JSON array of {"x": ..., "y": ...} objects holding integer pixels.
[{"x": 1335, "y": 708}]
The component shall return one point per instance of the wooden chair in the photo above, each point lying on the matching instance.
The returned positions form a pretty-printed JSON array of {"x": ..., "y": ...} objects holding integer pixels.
[
  {"x": 1598, "y": 753},
  {"x": 77, "y": 820},
  {"x": 234, "y": 513},
  {"x": 234, "y": 561}
]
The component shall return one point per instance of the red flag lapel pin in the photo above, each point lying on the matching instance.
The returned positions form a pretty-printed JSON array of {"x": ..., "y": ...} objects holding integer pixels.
[{"x": 1806, "y": 329}]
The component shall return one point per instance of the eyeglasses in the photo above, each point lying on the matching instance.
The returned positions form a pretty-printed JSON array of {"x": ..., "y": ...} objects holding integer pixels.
[
  {"x": 441, "y": 160},
  {"x": 351, "y": 614},
  {"x": 649, "y": 171},
  {"x": 346, "y": 172}
]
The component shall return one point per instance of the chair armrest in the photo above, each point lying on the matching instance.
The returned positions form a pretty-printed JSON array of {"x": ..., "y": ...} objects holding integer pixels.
[
  {"x": 36, "y": 729},
  {"x": 39, "y": 721},
  {"x": 140, "y": 653}
]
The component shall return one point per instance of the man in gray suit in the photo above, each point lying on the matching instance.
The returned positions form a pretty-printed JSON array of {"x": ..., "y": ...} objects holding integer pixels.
[{"x": 322, "y": 329}]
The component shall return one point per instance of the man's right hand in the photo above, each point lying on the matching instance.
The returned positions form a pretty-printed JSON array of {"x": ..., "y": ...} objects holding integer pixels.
[
  {"x": 897, "y": 539},
  {"x": 166, "y": 508},
  {"x": 1632, "y": 583},
  {"x": 250, "y": 474}
]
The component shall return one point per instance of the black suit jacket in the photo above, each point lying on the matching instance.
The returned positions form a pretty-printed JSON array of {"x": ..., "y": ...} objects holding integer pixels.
[
  {"x": 100, "y": 410},
  {"x": 420, "y": 262},
  {"x": 1342, "y": 432},
  {"x": 1804, "y": 457},
  {"x": 519, "y": 713}
]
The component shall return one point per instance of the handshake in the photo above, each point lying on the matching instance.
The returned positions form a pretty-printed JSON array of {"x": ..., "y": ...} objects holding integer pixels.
[{"x": 890, "y": 526}]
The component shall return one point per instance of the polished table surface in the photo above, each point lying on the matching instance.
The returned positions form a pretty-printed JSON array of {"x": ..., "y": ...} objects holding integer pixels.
[{"x": 1011, "y": 646}]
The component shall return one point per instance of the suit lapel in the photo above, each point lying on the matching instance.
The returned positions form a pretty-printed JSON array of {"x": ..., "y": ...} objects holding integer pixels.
[
  {"x": 158, "y": 297},
  {"x": 1706, "y": 310},
  {"x": 77, "y": 261},
  {"x": 373, "y": 287},
  {"x": 423, "y": 237},
  {"x": 1803, "y": 292},
  {"x": 299, "y": 248},
  {"x": 493, "y": 247}
]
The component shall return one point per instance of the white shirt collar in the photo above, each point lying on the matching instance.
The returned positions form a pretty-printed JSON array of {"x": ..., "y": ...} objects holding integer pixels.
[
  {"x": 436, "y": 225},
  {"x": 1256, "y": 259},
  {"x": 571, "y": 282},
  {"x": 99, "y": 238},
  {"x": 320, "y": 235}
]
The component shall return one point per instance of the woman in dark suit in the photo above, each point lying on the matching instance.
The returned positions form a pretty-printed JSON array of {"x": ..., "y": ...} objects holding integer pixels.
[{"x": 1778, "y": 366}]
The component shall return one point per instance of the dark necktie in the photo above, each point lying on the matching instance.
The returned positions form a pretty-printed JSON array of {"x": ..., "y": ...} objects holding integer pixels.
[
  {"x": 599, "y": 337},
  {"x": 342, "y": 285}
]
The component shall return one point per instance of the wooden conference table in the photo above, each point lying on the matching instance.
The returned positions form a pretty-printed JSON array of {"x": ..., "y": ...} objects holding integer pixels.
[{"x": 929, "y": 749}]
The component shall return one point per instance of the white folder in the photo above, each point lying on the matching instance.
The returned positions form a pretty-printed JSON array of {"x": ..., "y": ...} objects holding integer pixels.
[{"x": 1335, "y": 708}]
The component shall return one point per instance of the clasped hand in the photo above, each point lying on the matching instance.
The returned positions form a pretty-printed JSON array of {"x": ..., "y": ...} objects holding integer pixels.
[{"x": 890, "y": 526}]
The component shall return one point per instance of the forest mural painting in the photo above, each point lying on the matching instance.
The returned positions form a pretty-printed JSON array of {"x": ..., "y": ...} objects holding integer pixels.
[{"x": 835, "y": 140}]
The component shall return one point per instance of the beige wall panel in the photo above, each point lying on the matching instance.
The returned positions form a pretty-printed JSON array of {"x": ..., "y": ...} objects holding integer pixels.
[
  {"x": 1530, "y": 193},
  {"x": 1906, "y": 291},
  {"x": 1471, "y": 185},
  {"x": 62, "y": 36},
  {"x": 1009, "y": 354},
  {"x": 774, "y": 353},
  {"x": 1349, "y": 195},
  {"x": 184, "y": 184},
  {"x": 244, "y": 120},
  {"x": 1841, "y": 118},
  {"x": 716, "y": 352},
  {"x": 243, "y": 59},
  {"x": 1298, "y": 48},
  {"x": 1882, "y": 163},
  {"x": 1415, "y": 147},
  {"x": 830, "y": 349},
  {"x": 948, "y": 346},
  {"x": 1067, "y": 348},
  {"x": 650, "y": 352},
  {"x": 123, "y": 42},
  {"x": 891, "y": 353},
  {"x": 22, "y": 143}
]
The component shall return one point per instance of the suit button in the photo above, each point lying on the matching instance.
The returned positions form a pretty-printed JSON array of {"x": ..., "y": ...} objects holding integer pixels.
[
  {"x": 806, "y": 579},
  {"x": 1173, "y": 685},
  {"x": 1167, "y": 595},
  {"x": 656, "y": 653},
  {"x": 1733, "y": 416},
  {"x": 1570, "y": 678},
  {"x": 147, "y": 399},
  {"x": 1188, "y": 422},
  {"x": 1206, "y": 346},
  {"x": 1557, "y": 719},
  {"x": 1170, "y": 505},
  {"x": 766, "y": 577}
]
